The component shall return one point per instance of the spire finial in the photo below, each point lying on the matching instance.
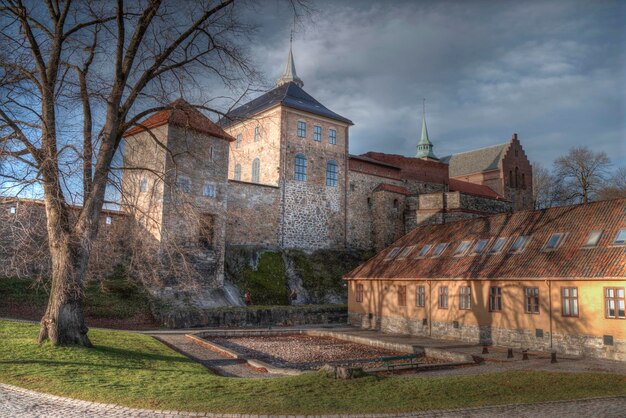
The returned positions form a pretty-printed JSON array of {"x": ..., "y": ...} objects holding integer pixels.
[
  {"x": 424, "y": 108},
  {"x": 289, "y": 75},
  {"x": 424, "y": 146}
]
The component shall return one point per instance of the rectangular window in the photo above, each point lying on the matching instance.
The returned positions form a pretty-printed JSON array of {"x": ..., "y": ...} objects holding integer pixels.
[
  {"x": 620, "y": 238},
  {"x": 462, "y": 248},
  {"x": 257, "y": 134},
  {"x": 359, "y": 293},
  {"x": 495, "y": 299},
  {"x": 425, "y": 249},
  {"x": 405, "y": 253},
  {"x": 614, "y": 302},
  {"x": 108, "y": 220},
  {"x": 332, "y": 136},
  {"x": 439, "y": 249},
  {"x": 480, "y": 246},
  {"x": 554, "y": 242},
  {"x": 317, "y": 133},
  {"x": 331, "y": 174},
  {"x": 497, "y": 246},
  {"x": 184, "y": 184},
  {"x": 143, "y": 186},
  {"x": 208, "y": 190},
  {"x": 394, "y": 252},
  {"x": 211, "y": 154},
  {"x": 465, "y": 294},
  {"x": 300, "y": 168},
  {"x": 592, "y": 239},
  {"x": 531, "y": 300},
  {"x": 238, "y": 141},
  {"x": 520, "y": 244},
  {"x": 401, "y": 295},
  {"x": 12, "y": 210},
  {"x": 569, "y": 301},
  {"x": 443, "y": 297},
  {"x": 302, "y": 129},
  {"x": 420, "y": 297}
]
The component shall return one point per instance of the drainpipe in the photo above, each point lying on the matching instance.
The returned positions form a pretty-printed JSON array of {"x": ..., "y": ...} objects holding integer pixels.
[
  {"x": 430, "y": 308},
  {"x": 550, "y": 308}
]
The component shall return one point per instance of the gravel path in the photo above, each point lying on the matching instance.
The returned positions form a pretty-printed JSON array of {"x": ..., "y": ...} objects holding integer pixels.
[
  {"x": 21, "y": 403},
  {"x": 222, "y": 365}
]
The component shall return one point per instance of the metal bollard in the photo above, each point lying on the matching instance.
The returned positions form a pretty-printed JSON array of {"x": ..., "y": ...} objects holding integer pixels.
[
  {"x": 524, "y": 354},
  {"x": 509, "y": 354},
  {"x": 553, "y": 357}
]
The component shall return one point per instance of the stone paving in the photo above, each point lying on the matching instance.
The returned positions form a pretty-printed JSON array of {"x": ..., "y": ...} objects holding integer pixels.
[{"x": 21, "y": 403}]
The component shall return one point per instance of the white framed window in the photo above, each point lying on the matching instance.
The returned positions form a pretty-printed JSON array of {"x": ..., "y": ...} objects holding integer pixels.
[
  {"x": 465, "y": 297},
  {"x": 301, "y": 129},
  {"x": 462, "y": 248},
  {"x": 256, "y": 170},
  {"x": 12, "y": 210},
  {"x": 439, "y": 249},
  {"x": 300, "y": 167},
  {"x": 331, "y": 174},
  {"x": 183, "y": 184},
  {"x": 238, "y": 141},
  {"x": 257, "y": 134},
  {"x": 143, "y": 185},
  {"x": 554, "y": 242},
  {"x": 592, "y": 239},
  {"x": 332, "y": 136},
  {"x": 317, "y": 133},
  {"x": 424, "y": 251},
  {"x": 209, "y": 190},
  {"x": 498, "y": 245},
  {"x": 620, "y": 238},
  {"x": 108, "y": 220},
  {"x": 520, "y": 244}
]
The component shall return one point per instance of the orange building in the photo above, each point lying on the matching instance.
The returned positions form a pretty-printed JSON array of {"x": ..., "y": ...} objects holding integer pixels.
[{"x": 551, "y": 279}]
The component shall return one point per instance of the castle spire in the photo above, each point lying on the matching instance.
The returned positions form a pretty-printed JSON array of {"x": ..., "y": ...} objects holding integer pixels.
[
  {"x": 289, "y": 75},
  {"x": 424, "y": 146}
]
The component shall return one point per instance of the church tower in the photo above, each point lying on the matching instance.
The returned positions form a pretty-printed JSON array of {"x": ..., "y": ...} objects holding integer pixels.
[{"x": 424, "y": 146}]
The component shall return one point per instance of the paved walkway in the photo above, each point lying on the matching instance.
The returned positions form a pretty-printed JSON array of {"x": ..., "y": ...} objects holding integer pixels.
[{"x": 21, "y": 403}]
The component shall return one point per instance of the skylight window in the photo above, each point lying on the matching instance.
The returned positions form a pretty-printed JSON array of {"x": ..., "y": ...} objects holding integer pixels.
[
  {"x": 480, "y": 246},
  {"x": 520, "y": 244},
  {"x": 593, "y": 239},
  {"x": 425, "y": 249},
  {"x": 555, "y": 241},
  {"x": 394, "y": 252},
  {"x": 439, "y": 249},
  {"x": 405, "y": 253},
  {"x": 497, "y": 245},
  {"x": 620, "y": 238},
  {"x": 462, "y": 248}
]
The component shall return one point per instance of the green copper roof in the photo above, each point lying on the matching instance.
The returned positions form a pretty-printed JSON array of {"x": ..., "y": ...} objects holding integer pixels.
[{"x": 424, "y": 146}]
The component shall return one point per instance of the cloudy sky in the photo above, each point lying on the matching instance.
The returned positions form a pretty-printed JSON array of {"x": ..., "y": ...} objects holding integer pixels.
[{"x": 554, "y": 72}]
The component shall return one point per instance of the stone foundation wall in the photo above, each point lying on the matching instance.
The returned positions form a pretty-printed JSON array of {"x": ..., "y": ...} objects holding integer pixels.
[{"x": 535, "y": 339}]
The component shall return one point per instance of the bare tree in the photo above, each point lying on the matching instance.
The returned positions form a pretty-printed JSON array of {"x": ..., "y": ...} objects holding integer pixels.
[
  {"x": 581, "y": 174},
  {"x": 544, "y": 187},
  {"x": 615, "y": 186},
  {"x": 123, "y": 61}
]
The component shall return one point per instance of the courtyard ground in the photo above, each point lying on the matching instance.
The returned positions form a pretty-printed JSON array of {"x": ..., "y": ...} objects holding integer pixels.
[{"x": 136, "y": 370}]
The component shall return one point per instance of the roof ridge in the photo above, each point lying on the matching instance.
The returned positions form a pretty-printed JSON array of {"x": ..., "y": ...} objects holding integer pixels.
[{"x": 478, "y": 149}]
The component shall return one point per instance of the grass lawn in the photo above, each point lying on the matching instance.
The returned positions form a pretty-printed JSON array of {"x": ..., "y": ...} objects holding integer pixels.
[{"x": 137, "y": 371}]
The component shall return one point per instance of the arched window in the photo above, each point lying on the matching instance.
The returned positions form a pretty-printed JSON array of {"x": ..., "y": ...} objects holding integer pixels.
[
  {"x": 523, "y": 181},
  {"x": 331, "y": 174},
  {"x": 516, "y": 177},
  {"x": 510, "y": 178},
  {"x": 256, "y": 170},
  {"x": 238, "y": 172},
  {"x": 300, "y": 168}
]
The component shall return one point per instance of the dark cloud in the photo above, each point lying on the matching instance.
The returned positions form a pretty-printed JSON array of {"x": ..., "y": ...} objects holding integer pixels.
[{"x": 554, "y": 72}]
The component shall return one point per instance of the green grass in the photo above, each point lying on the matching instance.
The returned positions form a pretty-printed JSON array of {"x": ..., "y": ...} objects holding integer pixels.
[
  {"x": 266, "y": 283},
  {"x": 135, "y": 370}
]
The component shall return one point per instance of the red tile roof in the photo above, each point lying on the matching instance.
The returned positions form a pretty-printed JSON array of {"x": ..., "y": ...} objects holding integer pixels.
[
  {"x": 474, "y": 189},
  {"x": 392, "y": 188},
  {"x": 184, "y": 115},
  {"x": 571, "y": 260},
  {"x": 413, "y": 168}
]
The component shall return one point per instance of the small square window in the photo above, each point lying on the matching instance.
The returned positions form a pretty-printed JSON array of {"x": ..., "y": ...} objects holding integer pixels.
[
  {"x": 520, "y": 244},
  {"x": 332, "y": 136},
  {"x": 108, "y": 220},
  {"x": 209, "y": 190},
  {"x": 497, "y": 246},
  {"x": 424, "y": 251},
  {"x": 302, "y": 129},
  {"x": 620, "y": 238},
  {"x": 480, "y": 246},
  {"x": 462, "y": 248},
  {"x": 593, "y": 239},
  {"x": 184, "y": 184},
  {"x": 317, "y": 133},
  {"x": 12, "y": 210},
  {"x": 554, "y": 242},
  {"x": 394, "y": 252},
  {"x": 439, "y": 249}
]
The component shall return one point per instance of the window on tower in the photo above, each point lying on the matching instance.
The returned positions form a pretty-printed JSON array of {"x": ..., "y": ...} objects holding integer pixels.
[
  {"x": 256, "y": 170},
  {"x": 300, "y": 167},
  {"x": 332, "y": 136},
  {"x": 317, "y": 133},
  {"x": 302, "y": 129},
  {"x": 238, "y": 172},
  {"x": 331, "y": 174}
]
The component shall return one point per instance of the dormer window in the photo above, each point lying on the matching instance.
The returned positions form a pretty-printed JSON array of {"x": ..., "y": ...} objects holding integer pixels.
[
  {"x": 520, "y": 244},
  {"x": 620, "y": 238},
  {"x": 405, "y": 253},
  {"x": 424, "y": 251},
  {"x": 439, "y": 249},
  {"x": 498, "y": 245},
  {"x": 462, "y": 248},
  {"x": 394, "y": 252},
  {"x": 593, "y": 239},
  {"x": 480, "y": 246},
  {"x": 554, "y": 242}
]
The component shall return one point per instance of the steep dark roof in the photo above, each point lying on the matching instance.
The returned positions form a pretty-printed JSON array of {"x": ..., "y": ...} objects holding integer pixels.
[
  {"x": 569, "y": 261},
  {"x": 475, "y": 161},
  {"x": 384, "y": 187},
  {"x": 184, "y": 115},
  {"x": 288, "y": 94}
]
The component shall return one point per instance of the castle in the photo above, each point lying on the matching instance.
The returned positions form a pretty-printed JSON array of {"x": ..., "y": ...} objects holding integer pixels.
[{"x": 276, "y": 172}]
